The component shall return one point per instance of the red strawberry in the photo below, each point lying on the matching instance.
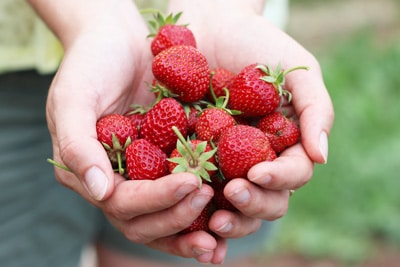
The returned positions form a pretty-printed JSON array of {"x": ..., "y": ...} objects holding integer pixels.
[
  {"x": 219, "y": 199},
  {"x": 280, "y": 130},
  {"x": 211, "y": 122},
  {"x": 115, "y": 132},
  {"x": 239, "y": 148},
  {"x": 221, "y": 78},
  {"x": 158, "y": 121},
  {"x": 201, "y": 222},
  {"x": 257, "y": 90},
  {"x": 194, "y": 156},
  {"x": 192, "y": 113},
  {"x": 136, "y": 114},
  {"x": 145, "y": 161},
  {"x": 167, "y": 33},
  {"x": 184, "y": 71}
]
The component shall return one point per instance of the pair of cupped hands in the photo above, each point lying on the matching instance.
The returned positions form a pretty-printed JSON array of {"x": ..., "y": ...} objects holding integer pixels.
[{"x": 104, "y": 70}]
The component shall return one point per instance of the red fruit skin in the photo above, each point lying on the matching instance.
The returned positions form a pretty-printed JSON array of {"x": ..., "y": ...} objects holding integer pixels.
[
  {"x": 192, "y": 120},
  {"x": 158, "y": 121},
  {"x": 145, "y": 161},
  {"x": 221, "y": 79},
  {"x": 211, "y": 122},
  {"x": 118, "y": 124},
  {"x": 172, "y": 35},
  {"x": 239, "y": 148},
  {"x": 280, "y": 130},
  {"x": 184, "y": 71},
  {"x": 201, "y": 222},
  {"x": 251, "y": 95},
  {"x": 195, "y": 142},
  {"x": 136, "y": 119}
]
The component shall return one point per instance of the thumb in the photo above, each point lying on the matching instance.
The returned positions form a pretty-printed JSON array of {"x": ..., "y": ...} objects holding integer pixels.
[{"x": 73, "y": 131}]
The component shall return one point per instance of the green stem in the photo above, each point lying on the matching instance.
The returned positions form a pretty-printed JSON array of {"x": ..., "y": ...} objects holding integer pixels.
[
  {"x": 55, "y": 163},
  {"x": 145, "y": 11},
  {"x": 295, "y": 68},
  {"x": 184, "y": 143}
]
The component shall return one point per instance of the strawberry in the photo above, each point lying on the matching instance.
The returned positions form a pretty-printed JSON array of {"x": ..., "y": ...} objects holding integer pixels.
[
  {"x": 184, "y": 71},
  {"x": 239, "y": 148},
  {"x": 145, "y": 161},
  {"x": 201, "y": 222},
  {"x": 192, "y": 113},
  {"x": 194, "y": 156},
  {"x": 115, "y": 132},
  {"x": 221, "y": 78},
  {"x": 158, "y": 121},
  {"x": 211, "y": 122},
  {"x": 167, "y": 33},
  {"x": 281, "y": 131},
  {"x": 136, "y": 114},
  {"x": 257, "y": 89}
]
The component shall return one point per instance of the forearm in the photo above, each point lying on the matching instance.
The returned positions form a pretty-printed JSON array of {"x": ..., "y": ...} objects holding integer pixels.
[{"x": 69, "y": 18}]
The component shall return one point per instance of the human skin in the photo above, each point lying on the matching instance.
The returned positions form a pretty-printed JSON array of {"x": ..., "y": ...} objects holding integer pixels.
[{"x": 106, "y": 64}]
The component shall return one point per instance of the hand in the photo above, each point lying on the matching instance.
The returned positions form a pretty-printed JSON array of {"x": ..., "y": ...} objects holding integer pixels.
[
  {"x": 107, "y": 61},
  {"x": 234, "y": 36}
]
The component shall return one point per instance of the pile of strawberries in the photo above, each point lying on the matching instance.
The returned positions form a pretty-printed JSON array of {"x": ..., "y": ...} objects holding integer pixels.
[{"x": 213, "y": 123}]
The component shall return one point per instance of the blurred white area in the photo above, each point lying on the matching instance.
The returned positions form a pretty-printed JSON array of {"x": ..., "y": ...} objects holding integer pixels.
[{"x": 277, "y": 11}]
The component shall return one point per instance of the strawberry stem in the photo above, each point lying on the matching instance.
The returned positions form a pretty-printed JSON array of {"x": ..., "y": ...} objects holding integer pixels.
[
  {"x": 59, "y": 165},
  {"x": 184, "y": 143},
  {"x": 295, "y": 68}
]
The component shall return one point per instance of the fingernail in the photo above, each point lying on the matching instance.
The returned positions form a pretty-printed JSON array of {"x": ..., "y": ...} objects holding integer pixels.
[
  {"x": 185, "y": 189},
  {"x": 240, "y": 196},
  {"x": 323, "y": 146},
  {"x": 225, "y": 228},
  {"x": 200, "y": 201},
  {"x": 203, "y": 255},
  {"x": 96, "y": 183}
]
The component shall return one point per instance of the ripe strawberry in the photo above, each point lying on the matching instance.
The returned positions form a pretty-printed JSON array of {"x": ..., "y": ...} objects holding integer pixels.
[
  {"x": 221, "y": 78},
  {"x": 167, "y": 33},
  {"x": 201, "y": 222},
  {"x": 158, "y": 121},
  {"x": 211, "y": 122},
  {"x": 257, "y": 90},
  {"x": 116, "y": 132},
  {"x": 136, "y": 114},
  {"x": 184, "y": 71},
  {"x": 145, "y": 161},
  {"x": 280, "y": 130},
  {"x": 192, "y": 112},
  {"x": 239, "y": 148},
  {"x": 194, "y": 156}
]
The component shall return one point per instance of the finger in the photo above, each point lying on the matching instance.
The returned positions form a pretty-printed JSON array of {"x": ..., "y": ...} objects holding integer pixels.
[
  {"x": 291, "y": 170},
  {"x": 314, "y": 107},
  {"x": 228, "y": 224},
  {"x": 199, "y": 245},
  {"x": 74, "y": 133},
  {"x": 256, "y": 202},
  {"x": 171, "y": 220}
]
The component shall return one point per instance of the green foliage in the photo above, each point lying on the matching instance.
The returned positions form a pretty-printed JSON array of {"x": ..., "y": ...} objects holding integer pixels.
[{"x": 353, "y": 201}]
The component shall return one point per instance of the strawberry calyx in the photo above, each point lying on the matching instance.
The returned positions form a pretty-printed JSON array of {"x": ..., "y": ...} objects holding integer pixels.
[
  {"x": 277, "y": 77},
  {"x": 160, "y": 91},
  {"x": 116, "y": 152},
  {"x": 159, "y": 21},
  {"x": 194, "y": 160},
  {"x": 136, "y": 109}
]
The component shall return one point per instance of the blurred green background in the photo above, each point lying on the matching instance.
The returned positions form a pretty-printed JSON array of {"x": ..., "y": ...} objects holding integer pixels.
[{"x": 351, "y": 207}]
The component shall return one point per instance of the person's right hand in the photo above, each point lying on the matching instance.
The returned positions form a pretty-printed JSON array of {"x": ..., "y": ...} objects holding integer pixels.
[{"x": 107, "y": 61}]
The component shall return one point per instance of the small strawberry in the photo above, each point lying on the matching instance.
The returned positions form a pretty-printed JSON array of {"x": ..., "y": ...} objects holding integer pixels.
[
  {"x": 145, "y": 161},
  {"x": 194, "y": 156},
  {"x": 115, "y": 132},
  {"x": 201, "y": 222},
  {"x": 239, "y": 148},
  {"x": 136, "y": 114},
  {"x": 167, "y": 33},
  {"x": 184, "y": 71},
  {"x": 158, "y": 121},
  {"x": 257, "y": 89},
  {"x": 221, "y": 78},
  {"x": 281, "y": 131},
  {"x": 214, "y": 119}
]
